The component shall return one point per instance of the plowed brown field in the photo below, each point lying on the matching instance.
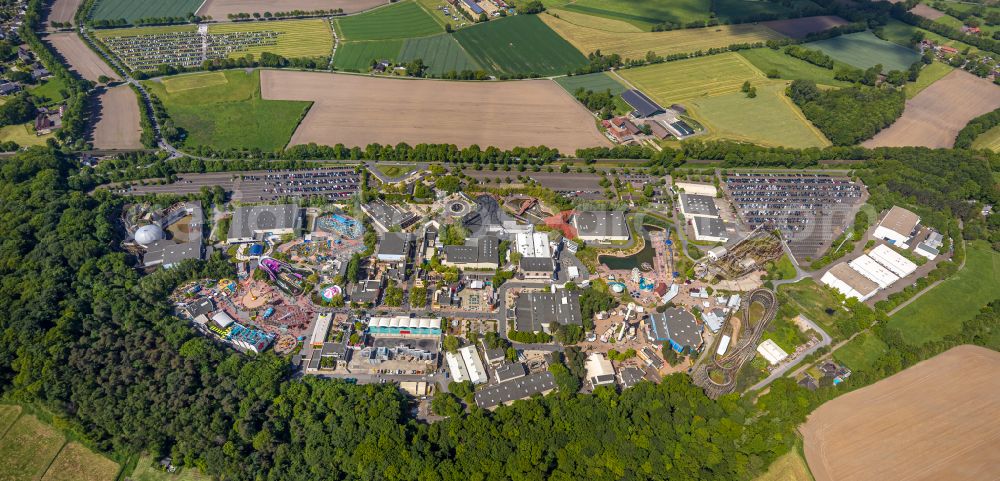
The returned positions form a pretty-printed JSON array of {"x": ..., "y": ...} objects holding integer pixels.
[
  {"x": 936, "y": 420},
  {"x": 118, "y": 125},
  {"x": 80, "y": 58},
  {"x": 356, "y": 111}
]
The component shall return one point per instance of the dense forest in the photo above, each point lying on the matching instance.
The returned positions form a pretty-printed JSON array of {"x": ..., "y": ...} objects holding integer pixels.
[{"x": 849, "y": 115}]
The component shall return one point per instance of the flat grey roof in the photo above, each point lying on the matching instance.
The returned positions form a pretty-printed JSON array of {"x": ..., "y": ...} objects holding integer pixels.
[
  {"x": 693, "y": 204},
  {"x": 509, "y": 370},
  {"x": 249, "y": 220},
  {"x": 478, "y": 250},
  {"x": 393, "y": 244},
  {"x": 388, "y": 215},
  {"x": 366, "y": 291},
  {"x": 534, "y": 309},
  {"x": 600, "y": 223},
  {"x": 711, "y": 226},
  {"x": 537, "y": 264},
  {"x": 677, "y": 325},
  {"x": 630, "y": 376},
  {"x": 520, "y": 388},
  {"x": 167, "y": 253}
]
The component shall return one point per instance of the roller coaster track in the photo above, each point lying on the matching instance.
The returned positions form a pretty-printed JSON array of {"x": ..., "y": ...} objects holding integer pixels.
[{"x": 746, "y": 347}]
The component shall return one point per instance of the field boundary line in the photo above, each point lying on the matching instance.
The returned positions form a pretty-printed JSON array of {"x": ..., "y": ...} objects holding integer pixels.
[
  {"x": 19, "y": 414},
  {"x": 53, "y": 460},
  {"x": 801, "y": 116}
]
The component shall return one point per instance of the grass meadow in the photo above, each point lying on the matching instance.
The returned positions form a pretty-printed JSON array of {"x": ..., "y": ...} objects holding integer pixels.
[
  {"x": 399, "y": 21},
  {"x": 23, "y": 134},
  {"x": 296, "y": 38},
  {"x": 133, "y": 9},
  {"x": 791, "y": 466},
  {"x": 988, "y": 140},
  {"x": 683, "y": 80},
  {"x": 520, "y": 45},
  {"x": 358, "y": 56},
  {"x": 147, "y": 469},
  {"x": 864, "y": 50},
  {"x": 862, "y": 352},
  {"x": 942, "y": 310},
  {"x": 644, "y": 14},
  {"x": 441, "y": 53},
  {"x": 790, "y": 68},
  {"x": 207, "y": 113}
]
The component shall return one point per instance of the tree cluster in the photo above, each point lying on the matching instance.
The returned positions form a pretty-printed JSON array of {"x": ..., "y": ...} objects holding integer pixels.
[{"x": 850, "y": 115}]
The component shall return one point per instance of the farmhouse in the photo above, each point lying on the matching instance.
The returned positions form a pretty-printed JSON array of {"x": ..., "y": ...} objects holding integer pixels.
[
  {"x": 897, "y": 226},
  {"x": 601, "y": 226},
  {"x": 536, "y": 311},
  {"x": 677, "y": 327},
  {"x": 252, "y": 223},
  {"x": 849, "y": 282},
  {"x": 643, "y": 105},
  {"x": 48, "y": 120},
  {"x": 621, "y": 129},
  {"x": 479, "y": 253}
]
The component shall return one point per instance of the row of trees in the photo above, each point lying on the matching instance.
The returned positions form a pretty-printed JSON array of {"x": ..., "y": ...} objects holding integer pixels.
[{"x": 975, "y": 128}]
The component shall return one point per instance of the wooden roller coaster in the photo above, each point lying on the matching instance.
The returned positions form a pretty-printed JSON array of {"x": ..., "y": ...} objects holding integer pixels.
[{"x": 718, "y": 376}]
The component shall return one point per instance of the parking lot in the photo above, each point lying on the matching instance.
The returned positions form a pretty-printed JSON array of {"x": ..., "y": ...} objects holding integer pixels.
[
  {"x": 335, "y": 183},
  {"x": 809, "y": 209}
]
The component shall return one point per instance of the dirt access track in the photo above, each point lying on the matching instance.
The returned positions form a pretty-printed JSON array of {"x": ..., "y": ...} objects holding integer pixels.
[
  {"x": 80, "y": 58},
  {"x": 220, "y": 9},
  {"x": 63, "y": 10},
  {"x": 118, "y": 124},
  {"x": 359, "y": 110},
  {"x": 934, "y": 117},
  {"x": 936, "y": 420}
]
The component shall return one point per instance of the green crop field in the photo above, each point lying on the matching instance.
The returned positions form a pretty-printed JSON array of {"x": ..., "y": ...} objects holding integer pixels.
[
  {"x": 683, "y": 80},
  {"x": 864, "y": 50},
  {"x": 928, "y": 75},
  {"x": 943, "y": 309},
  {"x": 520, "y": 45},
  {"x": 790, "y": 68},
  {"x": 358, "y": 56},
  {"x": 598, "y": 82},
  {"x": 901, "y": 33},
  {"x": 132, "y": 10},
  {"x": 207, "y": 113},
  {"x": 988, "y": 140},
  {"x": 644, "y": 14},
  {"x": 441, "y": 53},
  {"x": 862, "y": 352},
  {"x": 735, "y": 10},
  {"x": 771, "y": 119},
  {"x": 403, "y": 20},
  {"x": 296, "y": 38}
]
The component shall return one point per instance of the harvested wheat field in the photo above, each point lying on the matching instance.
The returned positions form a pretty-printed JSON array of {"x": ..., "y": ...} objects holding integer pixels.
[
  {"x": 118, "y": 126},
  {"x": 926, "y": 11},
  {"x": 80, "y": 58},
  {"x": 801, "y": 27},
  {"x": 220, "y": 9},
  {"x": 934, "y": 117},
  {"x": 63, "y": 10},
  {"x": 936, "y": 420},
  {"x": 357, "y": 110}
]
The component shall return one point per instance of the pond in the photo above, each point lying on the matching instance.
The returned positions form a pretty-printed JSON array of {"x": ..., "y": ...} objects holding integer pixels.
[{"x": 645, "y": 256}]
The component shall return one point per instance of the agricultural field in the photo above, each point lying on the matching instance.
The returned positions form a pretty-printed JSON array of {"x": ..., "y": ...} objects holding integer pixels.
[
  {"x": 358, "y": 56},
  {"x": 23, "y": 134},
  {"x": 928, "y": 75},
  {"x": 27, "y": 448},
  {"x": 399, "y": 21},
  {"x": 63, "y": 10},
  {"x": 392, "y": 110},
  {"x": 77, "y": 463},
  {"x": 770, "y": 119},
  {"x": 790, "y": 68},
  {"x": 934, "y": 117},
  {"x": 801, "y": 27},
  {"x": 79, "y": 57},
  {"x": 988, "y": 140},
  {"x": 221, "y": 9},
  {"x": 206, "y": 112},
  {"x": 520, "y": 45},
  {"x": 146, "y": 48},
  {"x": 595, "y": 22},
  {"x": 441, "y": 53},
  {"x": 636, "y": 45},
  {"x": 927, "y": 12},
  {"x": 118, "y": 122},
  {"x": 864, "y": 50},
  {"x": 643, "y": 15},
  {"x": 147, "y": 469},
  {"x": 8, "y": 414},
  {"x": 930, "y": 421},
  {"x": 943, "y": 309},
  {"x": 684, "y": 80},
  {"x": 132, "y": 10},
  {"x": 741, "y": 10},
  {"x": 902, "y": 33},
  {"x": 862, "y": 352},
  {"x": 597, "y": 82}
]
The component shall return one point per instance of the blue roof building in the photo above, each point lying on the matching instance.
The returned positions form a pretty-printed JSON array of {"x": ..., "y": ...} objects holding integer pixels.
[{"x": 677, "y": 327}]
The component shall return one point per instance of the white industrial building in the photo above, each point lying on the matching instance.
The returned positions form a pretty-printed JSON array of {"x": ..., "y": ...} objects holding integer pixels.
[
  {"x": 533, "y": 245},
  {"x": 874, "y": 271},
  {"x": 457, "y": 367},
  {"x": 892, "y": 260},
  {"x": 473, "y": 364},
  {"x": 698, "y": 206},
  {"x": 772, "y": 352},
  {"x": 320, "y": 330},
  {"x": 600, "y": 371},
  {"x": 897, "y": 226},
  {"x": 849, "y": 282},
  {"x": 697, "y": 189},
  {"x": 723, "y": 345}
]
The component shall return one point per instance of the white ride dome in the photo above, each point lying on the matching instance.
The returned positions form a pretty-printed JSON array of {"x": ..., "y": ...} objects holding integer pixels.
[{"x": 148, "y": 234}]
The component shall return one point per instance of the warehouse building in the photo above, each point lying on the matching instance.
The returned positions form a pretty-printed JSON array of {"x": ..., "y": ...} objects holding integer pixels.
[
  {"x": 710, "y": 229},
  {"x": 405, "y": 326},
  {"x": 601, "y": 226},
  {"x": 677, "y": 327},
  {"x": 643, "y": 106},
  {"x": 772, "y": 352},
  {"x": 898, "y": 226},
  {"x": 892, "y": 260},
  {"x": 849, "y": 282},
  {"x": 252, "y": 223},
  {"x": 479, "y": 253},
  {"x": 537, "y": 267},
  {"x": 537, "y": 311},
  {"x": 874, "y": 271},
  {"x": 507, "y": 392},
  {"x": 394, "y": 247},
  {"x": 693, "y": 205}
]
